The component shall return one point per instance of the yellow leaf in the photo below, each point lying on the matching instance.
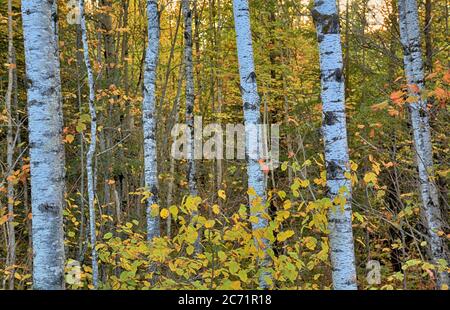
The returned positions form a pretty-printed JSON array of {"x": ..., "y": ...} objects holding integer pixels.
[
  {"x": 310, "y": 243},
  {"x": 253, "y": 219},
  {"x": 370, "y": 177},
  {"x": 210, "y": 223},
  {"x": 222, "y": 194},
  {"x": 215, "y": 209},
  {"x": 164, "y": 213},
  {"x": 154, "y": 210},
  {"x": 190, "y": 250},
  {"x": 173, "y": 210},
  {"x": 236, "y": 285},
  {"x": 287, "y": 205},
  {"x": 304, "y": 183},
  {"x": 191, "y": 235},
  {"x": 70, "y": 138},
  {"x": 3, "y": 219},
  {"x": 251, "y": 191},
  {"x": 282, "y": 236}
]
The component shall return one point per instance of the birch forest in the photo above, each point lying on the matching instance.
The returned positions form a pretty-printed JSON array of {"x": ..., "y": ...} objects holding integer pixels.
[{"x": 224, "y": 144}]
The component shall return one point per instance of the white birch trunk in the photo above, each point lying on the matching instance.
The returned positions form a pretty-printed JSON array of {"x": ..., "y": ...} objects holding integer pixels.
[
  {"x": 149, "y": 117},
  {"x": 45, "y": 138},
  {"x": 252, "y": 118},
  {"x": 190, "y": 99},
  {"x": 326, "y": 19},
  {"x": 190, "y": 96},
  {"x": 92, "y": 145},
  {"x": 431, "y": 213}
]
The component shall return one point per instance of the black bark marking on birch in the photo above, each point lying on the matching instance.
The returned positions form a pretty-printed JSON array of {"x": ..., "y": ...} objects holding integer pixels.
[
  {"x": 422, "y": 113},
  {"x": 328, "y": 23},
  {"x": 154, "y": 191},
  {"x": 338, "y": 74},
  {"x": 320, "y": 37},
  {"x": 49, "y": 208},
  {"x": 330, "y": 118},
  {"x": 187, "y": 37},
  {"x": 250, "y": 106},
  {"x": 251, "y": 77},
  {"x": 333, "y": 169},
  {"x": 28, "y": 83}
]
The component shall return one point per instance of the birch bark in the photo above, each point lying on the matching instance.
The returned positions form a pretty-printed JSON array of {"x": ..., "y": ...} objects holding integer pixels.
[
  {"x": 190, "y": 100},
  {"x": 190, "y": 95},
  {"x": 149, "y": 117},
  {"x": 92, "y": 145},
  {"x": 431, "y": 213},
  {"x": 45, "y": 138},
  {"x": 326, "y": 19},
  {"x": 252, "y": 118}
]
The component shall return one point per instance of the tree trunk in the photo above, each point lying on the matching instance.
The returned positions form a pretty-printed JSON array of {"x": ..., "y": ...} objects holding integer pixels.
[
  {"x": 252, "y": 118},
  {"x": 92, "y": 146},
  {"x": 190, "y": 95},
  {"x": 45, "y": 140},
  {"x": 149, "y": 117},
  {"x": 11, "y": 253},
  {"x": 190, "y": 100},
  {"x": 326, "y": 19},
  {"x": 431, "y": 213},
  {"x": 428, "y": 38}
]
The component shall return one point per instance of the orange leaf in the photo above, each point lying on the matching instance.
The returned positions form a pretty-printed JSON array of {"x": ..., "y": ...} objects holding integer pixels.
[
  {"x": 397, "y": 97},
  {"x": 440, "y": 93},
  {"x": 414, "y": 88},
  {"x": 446, "y": 77}
]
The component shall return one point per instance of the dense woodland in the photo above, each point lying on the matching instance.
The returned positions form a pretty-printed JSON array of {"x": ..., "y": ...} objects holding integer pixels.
[{"x": 91, "y": 196}]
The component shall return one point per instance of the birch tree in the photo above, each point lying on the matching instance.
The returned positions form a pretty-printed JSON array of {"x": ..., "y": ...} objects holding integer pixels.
[
  {"x": 92, "y": 144},
  {"x": 326, "y": 19},
  {"x": 252, "y": 118},
  {"x": 431, "y": 213},
  {"x": 149, "y": 117},
  {"x": 190, "y": 99},
  {"x": 190, "y": 95},
  {"x": 45, "y": 140}
]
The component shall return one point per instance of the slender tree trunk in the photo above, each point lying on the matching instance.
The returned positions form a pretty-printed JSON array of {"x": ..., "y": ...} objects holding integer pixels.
[
  {"x": 45, "y": 138},
  {"x": 11, "y": 257},
  {"x": 81, "y": 237},
  {"x": 428, "y": 38},
  {"x": 252, "y": 118},
  {"x": 149, "y": 117},
  {"x": 326, "y": 19},
  {"x": 190, "y": 95},
  {"x": 92, "y": 145},
  {"x": 347, "y": 49},
  {"x": 431, "y": 213},
  {"x": 176, "y": 109}
]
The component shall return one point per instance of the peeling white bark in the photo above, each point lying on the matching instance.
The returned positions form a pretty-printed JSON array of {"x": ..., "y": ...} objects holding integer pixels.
[
  {"x": 431, "y": 213},
  {"x": 252, "y": 118},
  {"x": 92, "y": 145},
  {"x": 149, "y": 117},
  {"x": 45, "y": 138},
  {"x": 326, "y": 19}
]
